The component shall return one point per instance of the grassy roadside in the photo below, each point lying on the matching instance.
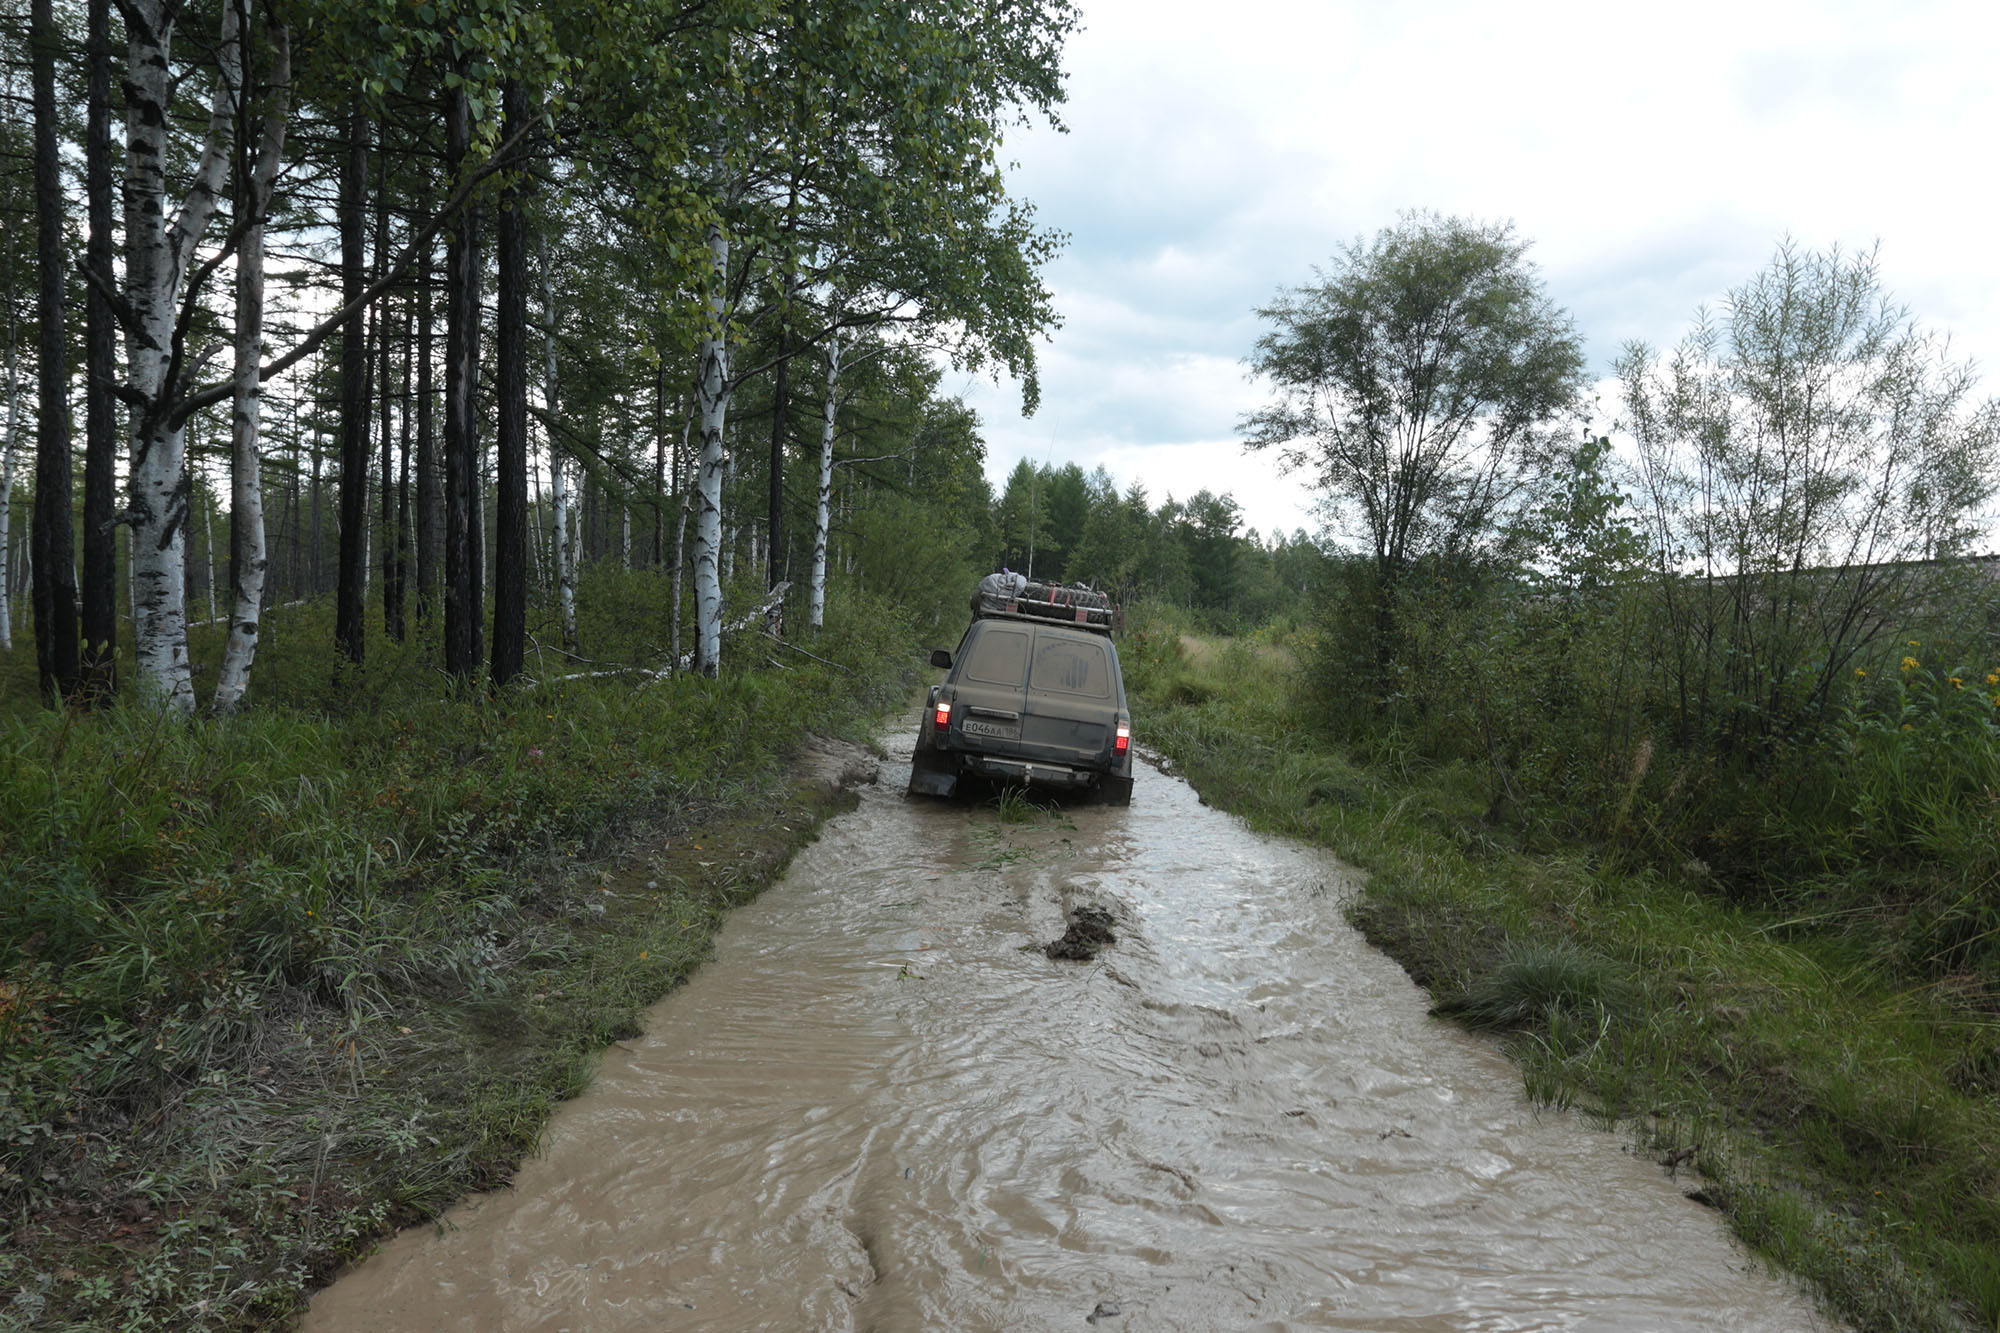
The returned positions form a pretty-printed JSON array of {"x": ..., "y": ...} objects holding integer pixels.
[
  {"x": 1843, "y": 1116},
  {"x": 272, "y": 987}
]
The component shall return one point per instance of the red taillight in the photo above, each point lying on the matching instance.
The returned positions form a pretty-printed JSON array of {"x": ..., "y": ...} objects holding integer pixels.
[
  {"x": 943, "y": 713},
  {"x": 1124, "y": 741}
]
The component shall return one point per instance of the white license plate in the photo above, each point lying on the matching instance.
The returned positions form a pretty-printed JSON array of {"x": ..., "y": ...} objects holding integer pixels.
[{"x": 974, "y": 727}]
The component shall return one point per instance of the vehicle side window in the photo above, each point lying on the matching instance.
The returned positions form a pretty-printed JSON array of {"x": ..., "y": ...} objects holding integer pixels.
[
  {"x": 1073, "y": 666},
  {"x": 999, "y": 657}
]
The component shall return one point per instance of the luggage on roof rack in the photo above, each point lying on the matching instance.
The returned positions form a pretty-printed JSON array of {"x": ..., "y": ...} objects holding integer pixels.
[{"x": 1010, "y": 594}]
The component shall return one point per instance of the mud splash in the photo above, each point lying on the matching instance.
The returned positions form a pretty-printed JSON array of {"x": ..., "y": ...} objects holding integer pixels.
[{"x": 883, "y": 1107}]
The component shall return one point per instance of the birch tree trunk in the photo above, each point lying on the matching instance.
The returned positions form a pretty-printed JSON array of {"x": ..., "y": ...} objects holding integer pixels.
[
  {"x": 385, "y": 400},
  {"x": 249, "y": 558},
  {"x": 430, "y": 509},
  {"x": 728, "y": 512},
  {"x": 823, "y": 511},
  {"x": 207, "y": 501},
  {"x": 158, "y": 253},
  {"x": 565, "y": 552},
  {"x": 7, "y": 492},
  {"x": 712, "y": 398},
  {"x": 684, "y": 489}
]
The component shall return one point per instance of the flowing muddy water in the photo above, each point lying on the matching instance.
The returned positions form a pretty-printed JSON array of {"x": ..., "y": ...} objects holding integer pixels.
[{"x": 882, "y": 1107}]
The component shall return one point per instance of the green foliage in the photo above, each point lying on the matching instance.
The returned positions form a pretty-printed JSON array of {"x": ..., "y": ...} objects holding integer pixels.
[
  {"x": 915, "y": 556},
  {"x": 213, "y": 930},
  {"x": 1837, "y": 1100},
  {"x": 1417, "y": 382},
  {"x": 1802, "y": 465},
  {"x": 1539, "y": 982}
]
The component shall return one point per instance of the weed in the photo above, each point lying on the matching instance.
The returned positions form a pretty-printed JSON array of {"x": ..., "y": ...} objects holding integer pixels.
[
  {"x": 1822, "y": 1049},
  {"x": 1541, "y": 982},
  {"x": 272, "y": 984}
]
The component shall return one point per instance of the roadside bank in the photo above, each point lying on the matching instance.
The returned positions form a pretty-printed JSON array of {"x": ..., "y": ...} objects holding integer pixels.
[
  {"x": 278, "y": 986},
  {"x": 1842, "y": 1115}
]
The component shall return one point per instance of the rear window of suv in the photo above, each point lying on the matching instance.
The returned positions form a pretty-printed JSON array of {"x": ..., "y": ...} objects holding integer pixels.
[
  {"x": 998, "y": 657},
  {"x": 1071, "y": 666}
]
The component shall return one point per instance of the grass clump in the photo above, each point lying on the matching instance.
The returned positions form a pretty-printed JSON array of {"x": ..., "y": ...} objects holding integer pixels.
[
  {"x": 272, "y": 985},
  {"x": 1825, "y": 1052},
  {"x": 1537, "y": 982}
]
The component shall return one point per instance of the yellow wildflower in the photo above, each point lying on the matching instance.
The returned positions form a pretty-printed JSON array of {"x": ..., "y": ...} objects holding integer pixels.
[
  {"x": 1915, "y": 644},
  {"x": 1993, "y": 678},
  {"x": 1956, "y": 683},
  {"x": 1909, "y": 664},
  {"x": 1861, "y": 672}
]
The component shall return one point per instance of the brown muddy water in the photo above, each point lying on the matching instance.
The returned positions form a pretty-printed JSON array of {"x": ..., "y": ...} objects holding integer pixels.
[{"x": 882, "y": 1106}]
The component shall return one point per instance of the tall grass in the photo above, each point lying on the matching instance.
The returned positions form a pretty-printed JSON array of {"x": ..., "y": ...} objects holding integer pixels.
[
  {"x": 1824, "y": 1051},
  {"x": 268, "y": 983}
]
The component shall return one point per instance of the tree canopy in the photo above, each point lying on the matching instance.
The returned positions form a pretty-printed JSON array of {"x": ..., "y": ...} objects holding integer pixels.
[{"x": 1419, "y": 382}]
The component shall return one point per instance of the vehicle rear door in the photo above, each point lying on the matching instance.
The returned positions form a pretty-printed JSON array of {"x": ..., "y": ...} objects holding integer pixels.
[
  {"x": 991, "y": 681},
  {"x": 1070, "y": 710}
]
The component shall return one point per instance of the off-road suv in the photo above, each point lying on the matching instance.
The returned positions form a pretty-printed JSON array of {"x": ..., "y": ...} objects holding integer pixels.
[{"x": 1033, "y": 695}]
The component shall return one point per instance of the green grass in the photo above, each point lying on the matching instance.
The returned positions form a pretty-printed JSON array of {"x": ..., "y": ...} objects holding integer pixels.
[
  {"x": 1836, "y": 1089},
  {"x": 271, "y": 985}
]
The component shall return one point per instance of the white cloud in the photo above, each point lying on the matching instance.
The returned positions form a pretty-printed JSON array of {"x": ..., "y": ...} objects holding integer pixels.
[{"x": 1653, "y": 156}]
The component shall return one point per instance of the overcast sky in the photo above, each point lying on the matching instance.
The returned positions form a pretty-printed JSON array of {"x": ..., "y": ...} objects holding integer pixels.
[{"x": 1654, "y": 157}]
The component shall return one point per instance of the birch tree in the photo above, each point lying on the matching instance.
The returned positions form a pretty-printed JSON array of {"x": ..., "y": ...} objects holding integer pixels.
[
  {"x": 565, "y": 549},
  {"x": 7, "y": 443},
  {"x": 159, "y": 253},
  {"x": 712, "y": 388},
  {"x": 248, "y": 559},
  {"x": 823, "y": 502},
  {"x": 864, "y": 157}
]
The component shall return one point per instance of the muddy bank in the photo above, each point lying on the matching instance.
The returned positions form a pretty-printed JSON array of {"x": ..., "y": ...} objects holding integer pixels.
[
  {"x": 384, "y": 1114},
  {"x": 884, "y": 1105}
]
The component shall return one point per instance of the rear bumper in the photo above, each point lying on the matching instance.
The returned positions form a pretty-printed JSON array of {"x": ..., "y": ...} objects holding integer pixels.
[
  {"x": 1027, "y": 771},
  {"x": 937, "y": 772}
]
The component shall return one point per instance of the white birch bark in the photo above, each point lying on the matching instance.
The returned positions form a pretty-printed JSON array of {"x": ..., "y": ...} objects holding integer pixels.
[
  {"x": 207, "y": 502},
  {"x": 683, "y": 489},
  {"x": 539, "y": 541},
  {"x": 712, "y": 398},
  {"x": 7, "y": 496},
  {"x": 728, "y": 516},
  {"x": 565, "y": 553},
  {"x": 158, "y": 253},
  {"x": 249, "y": 557},
  {"x": 823, "y": 512}
]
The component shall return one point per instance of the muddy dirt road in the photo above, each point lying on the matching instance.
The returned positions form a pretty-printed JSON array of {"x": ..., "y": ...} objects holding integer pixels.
[{"x": 883, "y": 1107}]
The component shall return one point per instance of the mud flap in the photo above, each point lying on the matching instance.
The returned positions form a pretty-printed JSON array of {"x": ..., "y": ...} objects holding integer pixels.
[
  {"x": 928, "y": 777},
  {"x": 1114, "y": 791}
]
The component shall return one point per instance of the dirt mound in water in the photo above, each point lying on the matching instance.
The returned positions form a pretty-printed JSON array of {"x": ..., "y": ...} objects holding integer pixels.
[{"x": 1089, "y": 930}]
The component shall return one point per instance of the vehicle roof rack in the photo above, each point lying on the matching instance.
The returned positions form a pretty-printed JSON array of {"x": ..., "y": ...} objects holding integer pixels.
[{"x": 1011, "y": 595}]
